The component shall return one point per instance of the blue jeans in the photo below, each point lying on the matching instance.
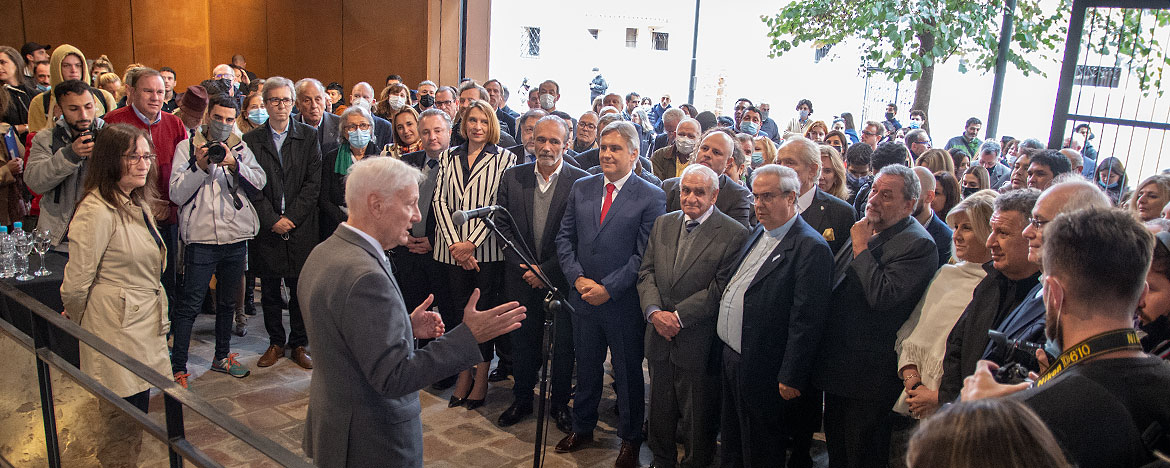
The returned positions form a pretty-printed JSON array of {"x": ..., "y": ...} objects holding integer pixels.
[{"x": 226, "y": 262}]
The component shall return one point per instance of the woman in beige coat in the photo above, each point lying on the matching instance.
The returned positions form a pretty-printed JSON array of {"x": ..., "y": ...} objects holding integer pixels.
[{"x": 112, "y": 280}]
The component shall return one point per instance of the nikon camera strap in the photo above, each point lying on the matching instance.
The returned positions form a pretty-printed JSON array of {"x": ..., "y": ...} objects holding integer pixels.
[{"x": 1111, "y": 341}]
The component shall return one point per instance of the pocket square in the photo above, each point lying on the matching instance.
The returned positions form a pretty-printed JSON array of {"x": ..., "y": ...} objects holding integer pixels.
[{"x": 828, "y": 235}]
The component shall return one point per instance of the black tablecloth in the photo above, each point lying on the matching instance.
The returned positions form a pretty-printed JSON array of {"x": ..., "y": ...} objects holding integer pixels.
[{"x": 47, "y": 290}]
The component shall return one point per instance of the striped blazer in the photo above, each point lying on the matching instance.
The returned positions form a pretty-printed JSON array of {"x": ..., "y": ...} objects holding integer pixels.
[{"x": 452, "y": 194}]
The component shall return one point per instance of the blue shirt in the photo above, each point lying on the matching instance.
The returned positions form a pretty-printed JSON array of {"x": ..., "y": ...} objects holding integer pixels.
[{"x": 142, "y": 117}]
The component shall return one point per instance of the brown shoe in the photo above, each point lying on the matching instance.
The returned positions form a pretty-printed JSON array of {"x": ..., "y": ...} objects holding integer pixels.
[
  {"x": 301, "y": 356},
  {"x": 574, "y": 441},
  {"x": 269, "y": 358},
  {"x": 628, "y": 455}
]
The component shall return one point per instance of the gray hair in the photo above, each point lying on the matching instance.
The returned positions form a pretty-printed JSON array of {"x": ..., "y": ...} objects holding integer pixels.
[
  {"x": 278, "y": 82},
  {"x": 1019, "y": 200},
  {"x": 363, "y": 84},
  {"x": 673, "y": 114},
  {"x": 626, "y": 130},
  {"x": 789, "y": 181},
  {"x": 138, "y": 73},
  {"x": 471, "y": 84},
  {"x": 989, "y": 147},
  {"x": 696, "y": 123},
  {"x": 362, "y": 111},
  {"x": 911, "y": 187},
  {"x": 809, "y": 150},
  {"x": 429, "y": 82},
  {"x": 1074, "y": 158},
  {"x": 607, "y": 119},
  {"x": 538, "y": 113},
  {"x": 917, "y": 135},
  {"x": 1086, "y": 195},
  {"x": 706, "y": 172},
  {"x": 1032, "y": 143},
  {"x": 434, "y": 112},
  {"x": 384, "y": 176},
  {"x": 558, "y": 120},
  {"x": 306, "y": 82},
  {"x": 645, "y": 119}
]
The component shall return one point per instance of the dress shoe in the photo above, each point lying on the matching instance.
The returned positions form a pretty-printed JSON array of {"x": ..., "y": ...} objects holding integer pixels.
[
  {"x": 574, "y": 441},
  {"x": 627, "y": 455},
  {"x": 514, "y": 413},
  {"x": 301, "y": 356},
  {"x": 473, "y": 404},
  {"x": 269, "y": 358},
  {"x": 498, "y": 375},
  {"x": 563, "y": 417},
  {"x": 455, "y": 401}
]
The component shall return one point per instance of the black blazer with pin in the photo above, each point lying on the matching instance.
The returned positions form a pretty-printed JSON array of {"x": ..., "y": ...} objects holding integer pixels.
[{"x": 831, "y": 217}]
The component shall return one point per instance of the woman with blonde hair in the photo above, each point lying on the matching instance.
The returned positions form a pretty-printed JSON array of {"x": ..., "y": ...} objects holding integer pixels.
[
  {"x": 110, "y": 81},
  {"x": 764, "y": 152},
  {"x": 253, "y": 114},
  {"x": 1150, "y": 197},
  {"x": 936, "y": 160},
  {"x": 832, "y": 179}
]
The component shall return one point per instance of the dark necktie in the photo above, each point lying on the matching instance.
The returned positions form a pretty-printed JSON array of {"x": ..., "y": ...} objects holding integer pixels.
[
  {"x": 431, "y": 163},
  {"x": 691, "y": 225}
]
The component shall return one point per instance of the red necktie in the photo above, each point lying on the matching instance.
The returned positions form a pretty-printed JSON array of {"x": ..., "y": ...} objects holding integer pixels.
[{"x": 609, "y": 188}]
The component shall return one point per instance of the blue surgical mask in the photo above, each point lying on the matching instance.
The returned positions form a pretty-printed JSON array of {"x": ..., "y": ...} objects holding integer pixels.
[
  {"x": 258, "y": 116},
  {"x": 757, "y": 159},
  {"x": 359, "y": 138},
  {"x": 749, "y": 127},
  {"x": 42, "y": 88},
  {"x": 804, "y": 114},
  {"x": 915, "y": 124}
]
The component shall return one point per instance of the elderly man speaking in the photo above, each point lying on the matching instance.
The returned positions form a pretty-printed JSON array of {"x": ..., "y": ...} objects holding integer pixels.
[{"x": 363, "y": 398}]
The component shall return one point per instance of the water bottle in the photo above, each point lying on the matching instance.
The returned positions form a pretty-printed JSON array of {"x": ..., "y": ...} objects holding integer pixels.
[
  {"x": 7, "y": 249},
  {"x": 19, "y": 257}
]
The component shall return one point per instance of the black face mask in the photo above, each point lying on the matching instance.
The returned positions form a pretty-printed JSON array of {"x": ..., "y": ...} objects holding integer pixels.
[
  {"x": 426, "y": 100},
  {"x": 968, "y": 191},
  {"x": 889, "y": 116},
  {"x": 1156, "y": 331}
]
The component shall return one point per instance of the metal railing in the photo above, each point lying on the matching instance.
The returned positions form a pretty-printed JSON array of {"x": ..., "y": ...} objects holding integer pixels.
[{"x": 175, "y": 397}]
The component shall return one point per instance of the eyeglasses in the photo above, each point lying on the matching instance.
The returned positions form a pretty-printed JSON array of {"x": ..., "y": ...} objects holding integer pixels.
[
  {"x": 280, "y": 101},
  {"x": 766, "y": 197},
  {"x": 444, "y": 103},
  {"x": 137, "y": 158},
  {"x": 870, "y": 133},
  {"x": 587, "y": 126},
  {"x": 352, "y": 127},
  {"x": 225, "y": 76},
  {"x": 1038, "y": 223}
]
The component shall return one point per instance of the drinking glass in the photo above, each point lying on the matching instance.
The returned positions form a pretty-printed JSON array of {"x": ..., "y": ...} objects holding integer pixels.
[
  {"x": 41, "y": 244},
  {"x": 24, "y": 247}
]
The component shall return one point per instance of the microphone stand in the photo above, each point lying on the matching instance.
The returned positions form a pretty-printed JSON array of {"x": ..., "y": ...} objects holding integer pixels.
[{"x": 553, "y": 303}]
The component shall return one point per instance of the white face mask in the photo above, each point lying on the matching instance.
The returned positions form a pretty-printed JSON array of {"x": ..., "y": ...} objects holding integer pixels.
[
  {"x": 684, "y": 145},
  {"x": 396, "y": 102},
  {"x": 547, "y": 101},
  {"x": 361, "y": 102}
]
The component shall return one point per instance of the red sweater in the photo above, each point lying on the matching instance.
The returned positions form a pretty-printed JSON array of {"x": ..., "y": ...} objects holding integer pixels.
[{"x": 165, "y": 135}]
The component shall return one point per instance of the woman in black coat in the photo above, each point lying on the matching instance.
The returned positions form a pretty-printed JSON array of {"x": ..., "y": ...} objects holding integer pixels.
[{"x": 355, "y": 128}]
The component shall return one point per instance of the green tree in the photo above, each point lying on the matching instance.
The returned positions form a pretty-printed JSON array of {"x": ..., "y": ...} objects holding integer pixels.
[{"x": 907, "y": 38}]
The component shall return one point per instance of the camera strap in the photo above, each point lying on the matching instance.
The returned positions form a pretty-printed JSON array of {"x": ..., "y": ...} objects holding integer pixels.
[{"x": 1125, "y": 339}]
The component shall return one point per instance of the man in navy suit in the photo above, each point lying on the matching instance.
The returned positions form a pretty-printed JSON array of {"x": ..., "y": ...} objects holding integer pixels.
[
  {"x": 770, "y": 321},
  {"x": 603, "y": 234},
  {"x": 935, "y": 226},
  {"x": 828, "y": 215},
  {"x": 879, "y": 276},
  {"x": 536, "y": 194}
]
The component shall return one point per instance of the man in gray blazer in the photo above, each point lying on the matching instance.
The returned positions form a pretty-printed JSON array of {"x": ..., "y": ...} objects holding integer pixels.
[
  {"x": 689, "y": 257},
  {"x": 363, "y": 398}
]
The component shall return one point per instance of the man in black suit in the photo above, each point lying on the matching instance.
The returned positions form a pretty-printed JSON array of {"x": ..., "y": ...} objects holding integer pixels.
[
  {"x": 935, "y": 226},
  {"x": 716, "y": 150},
  {"x": 771, "y": 318},
  {"x": 535, "y": 194},
  {"x": 498, "y": 96},
  {"x": 311, "y": 106},
  {"x": 526, "y": 125},
  {"x": 878, "y": 278},
  {"x": 828, "y": 215},
  {"x": 688, "y": 259},
  {"x": 670, "y": 120}
]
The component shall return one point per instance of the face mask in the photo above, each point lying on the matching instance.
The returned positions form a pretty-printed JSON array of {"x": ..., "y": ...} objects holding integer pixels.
[
  {"x": 227, "y": 84},
  {"x": 889, "y": 116},
  {"x": 218, "y": 131},
  {"x": 645, "y": 107},
  {"x": 361, "y": 102},
  {"x": 915, "y": 124},
  {"x": 968, "y": 191},
  {"x": 42, "y": 88},
  {"x": 426, "y": 100},
  {"x": 804, "y": 114},
  {"x": 1108, "y": 185},
  {"x": 757, "y": 159},
  {"x": 547, "y": 101},
  {"x": 396, "y": 102},
  {"x": 1156, "y": 331},
  {"x": 855, "y": 183},
  {"x": 764, "y": 115},
  {"x": 684, "y": 145},
  {"x": 359, "y": 138},
  {"x": 258, "y": 116},
  {"x": 749, "y": 127}
]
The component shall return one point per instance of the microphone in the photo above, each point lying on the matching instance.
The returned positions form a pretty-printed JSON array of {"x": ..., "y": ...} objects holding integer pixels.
[{"x": 460, "y": 217}]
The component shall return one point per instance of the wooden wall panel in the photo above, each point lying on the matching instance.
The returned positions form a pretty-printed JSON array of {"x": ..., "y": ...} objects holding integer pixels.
[
  {"x": 12, "y": 33},
  {"x": 173, "y": 34},
  {"x": 304, "y": 39},
  {"x": 380, "y": 39},
  {"x": 101, "y": 27},
  {"x": 239, "y": 27},
  {"x": 479, "y": 28}
]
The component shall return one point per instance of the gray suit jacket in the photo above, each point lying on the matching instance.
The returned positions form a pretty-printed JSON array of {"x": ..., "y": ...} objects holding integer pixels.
[
  {"x": 734, "y": 200},
  {"x": 363, "y": 397},
  {"x": 693, "y": 289}
]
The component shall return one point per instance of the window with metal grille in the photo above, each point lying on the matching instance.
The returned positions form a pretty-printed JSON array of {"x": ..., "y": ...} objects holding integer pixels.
[
  {"x": 632, "y": 37},
  {"x": 661, "y": 41},
  {"x": 593, "y": 32},
  {"x": 530, "y": 42}
]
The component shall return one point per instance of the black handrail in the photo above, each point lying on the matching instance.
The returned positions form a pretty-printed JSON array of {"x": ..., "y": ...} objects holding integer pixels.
[{"x": 175, "y": 397}]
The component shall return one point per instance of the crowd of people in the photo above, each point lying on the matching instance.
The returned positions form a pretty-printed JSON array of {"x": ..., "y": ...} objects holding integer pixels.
[{"x": 1004, "y": 303}]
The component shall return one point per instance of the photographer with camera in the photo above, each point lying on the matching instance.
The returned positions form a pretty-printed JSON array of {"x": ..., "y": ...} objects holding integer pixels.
[
  {"x": 58, "y": 158},
  {"x": 1106, "y": 401},
  {"x": 212, "y": 171}
]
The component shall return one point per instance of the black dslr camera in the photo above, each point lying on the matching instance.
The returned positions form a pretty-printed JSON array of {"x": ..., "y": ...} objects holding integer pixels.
[
  {"x": 1015, "y": 372},
  {"x": 215, "y": 152},
  {"x": 88, "y": 135}
]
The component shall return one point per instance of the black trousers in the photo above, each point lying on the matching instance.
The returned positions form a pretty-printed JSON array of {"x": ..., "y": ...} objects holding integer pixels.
[
  {"x": 750, "y": 436},
  {"x": 271, "y": 302},
  {"x": 528, "y": 354},
  {"x": 857, "y": 431},
  {"x": 683, "y": 401},
  {"x": 490, "y": 281},
  {"x": 419, "y": 275}
]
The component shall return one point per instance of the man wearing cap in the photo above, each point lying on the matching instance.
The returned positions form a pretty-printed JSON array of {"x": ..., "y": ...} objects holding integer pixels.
[
  {"x": 191, "y": 107},
  {"x": 33, "y": 53}
]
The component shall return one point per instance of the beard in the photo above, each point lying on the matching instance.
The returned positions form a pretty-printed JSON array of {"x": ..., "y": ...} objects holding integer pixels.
[{"x": 581, "y": 146}]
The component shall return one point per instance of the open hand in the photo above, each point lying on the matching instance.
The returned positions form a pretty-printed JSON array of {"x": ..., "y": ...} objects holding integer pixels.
[
  {"x": 488, "y": 324},
  {"x": 427, "y": 324}
]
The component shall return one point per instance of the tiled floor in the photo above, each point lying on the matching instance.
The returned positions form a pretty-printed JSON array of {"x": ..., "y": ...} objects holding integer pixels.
[{"x": 273, "y": 401}]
